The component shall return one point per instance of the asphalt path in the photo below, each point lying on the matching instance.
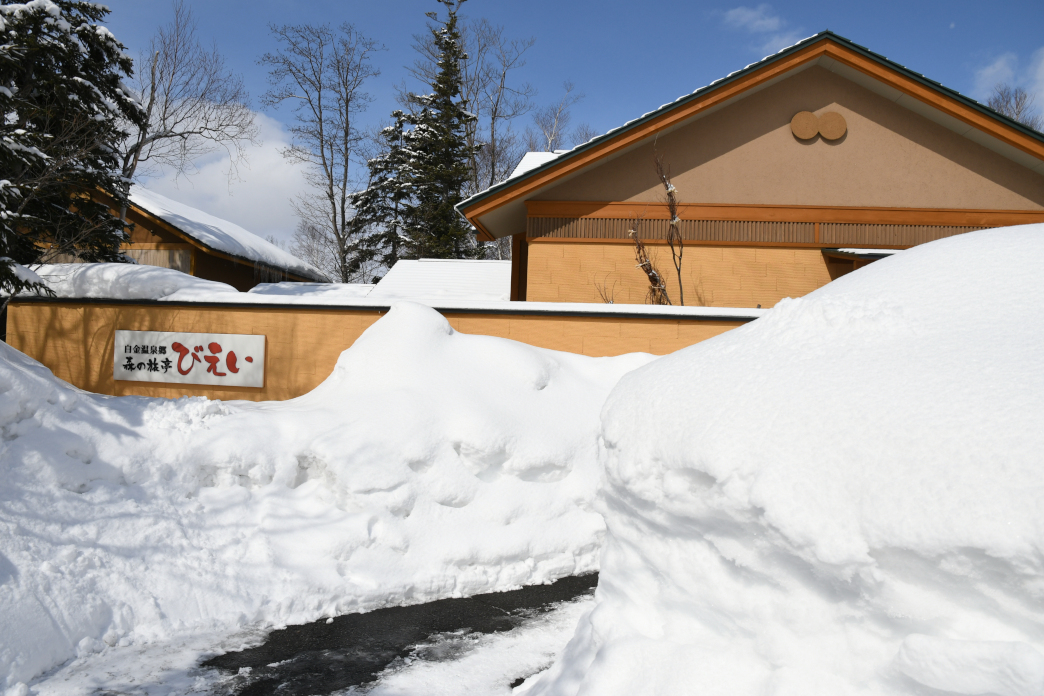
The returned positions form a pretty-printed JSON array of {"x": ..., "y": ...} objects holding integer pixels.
[{"x": 323, "y": 657}]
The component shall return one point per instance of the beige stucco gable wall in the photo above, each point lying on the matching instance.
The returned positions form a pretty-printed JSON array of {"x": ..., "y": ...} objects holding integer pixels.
[{"x": 746, "y": 153}]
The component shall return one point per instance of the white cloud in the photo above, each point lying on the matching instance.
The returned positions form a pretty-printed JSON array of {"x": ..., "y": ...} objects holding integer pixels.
[
  {"x": 777, "y": 42},
  {"x": 259, "y": 201},
  {"x": 1002, "y": 69},
  {"x": 1035, "y": 78},
  {"x": 1009, "y": 69},
  {"x": 754, "y": 19},
  {"x": 761, "y": 22}
]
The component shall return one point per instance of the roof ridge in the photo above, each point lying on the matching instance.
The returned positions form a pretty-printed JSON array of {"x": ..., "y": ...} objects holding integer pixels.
[{"x": 782, "y": 53}]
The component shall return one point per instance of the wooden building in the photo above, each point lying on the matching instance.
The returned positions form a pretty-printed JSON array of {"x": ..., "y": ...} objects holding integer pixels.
[
  {"x": 173, "y": 235},
  {"x": 785, "y": 170}
]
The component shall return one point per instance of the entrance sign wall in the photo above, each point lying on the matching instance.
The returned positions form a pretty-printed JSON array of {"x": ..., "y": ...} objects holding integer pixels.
[{"x": 231, "y": 360}]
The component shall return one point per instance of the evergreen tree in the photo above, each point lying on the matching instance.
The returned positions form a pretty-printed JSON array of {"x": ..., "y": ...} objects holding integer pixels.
[
  {"x": 63, "y": 101},
  {"x": 437, "y": 155},
  {"x": 381, "y": 205}
]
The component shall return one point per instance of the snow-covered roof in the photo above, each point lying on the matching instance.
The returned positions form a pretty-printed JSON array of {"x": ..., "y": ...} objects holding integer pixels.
[
  {"x": 220, "y": 235},
  {"x": 315, "y": 291},
  {"x": 532, "y": 160},
  {"x": 445, "y": 279}
]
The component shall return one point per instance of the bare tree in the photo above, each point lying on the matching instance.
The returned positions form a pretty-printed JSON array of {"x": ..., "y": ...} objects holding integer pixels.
[
  {"x": 674, "y": 238},
  {"x": 552, "y": 121},
  {"x": 316, "y": 246},
  {"x": 194, "y": 104},
  {"x": 657, "y": 293},
  {"x": 584, "y": 133},
  {"x": 500, "y": 103},
  {"x": 275, "y": 241},
  {"x": 321, "y": 72},
  {"x": 1016, "y": 104}
]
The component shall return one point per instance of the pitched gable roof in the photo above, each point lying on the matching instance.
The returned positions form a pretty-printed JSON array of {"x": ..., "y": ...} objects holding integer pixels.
[
  {"x": 836, "y": 53},
  {"x": 220, "y": 237}
]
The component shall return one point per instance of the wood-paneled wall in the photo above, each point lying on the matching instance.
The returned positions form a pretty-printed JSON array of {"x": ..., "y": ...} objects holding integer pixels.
[
  {"x": 75, "y": 339},
  {"x": 714, "y": 276}
]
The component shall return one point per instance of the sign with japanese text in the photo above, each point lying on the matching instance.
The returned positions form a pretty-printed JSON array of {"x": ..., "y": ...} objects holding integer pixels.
[{"x": 219, "y": 360}]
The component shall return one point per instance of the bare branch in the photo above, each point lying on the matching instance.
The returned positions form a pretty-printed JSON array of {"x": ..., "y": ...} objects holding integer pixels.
[
  {"x": 553, "y": 120},
  {"x": 584, "y": 133},
  {"x": 608, "y": 294},
  {"x": 321, "y": 72},
  {"x": 1016, "y": 104},
  {"x": 657, "y": 293},
  {"x": 195, "y": 104},
  {"x": 674, "y": 237}
]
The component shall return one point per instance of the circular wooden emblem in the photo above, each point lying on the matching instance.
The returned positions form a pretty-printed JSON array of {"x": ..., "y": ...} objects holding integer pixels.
[
  {"x": 805, "y": 125},
  {"x": 832, "y": 125}
]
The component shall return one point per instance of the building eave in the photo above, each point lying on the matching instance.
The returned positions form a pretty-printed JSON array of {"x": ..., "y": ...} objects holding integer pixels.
[{"x": 825, "y": 44}]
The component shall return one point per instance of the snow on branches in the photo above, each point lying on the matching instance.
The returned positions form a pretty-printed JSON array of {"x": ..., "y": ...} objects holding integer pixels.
[{"x": 63, "y": 98}]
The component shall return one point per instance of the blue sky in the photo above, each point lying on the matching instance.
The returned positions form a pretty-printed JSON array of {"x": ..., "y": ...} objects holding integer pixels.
[{"x": 626, "y": 57}]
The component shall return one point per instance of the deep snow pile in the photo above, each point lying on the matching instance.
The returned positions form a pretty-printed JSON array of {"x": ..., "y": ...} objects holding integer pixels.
[
  {"x": 429, "y": 464},
  {"x": 126, "y": 281},
  {"x": 844, "y": 497}
]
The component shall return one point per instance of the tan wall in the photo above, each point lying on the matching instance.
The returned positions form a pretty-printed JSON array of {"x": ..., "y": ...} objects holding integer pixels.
[
  {"x": 178, "y": 259},
  {"x": 76, "y": 340},
  {"x": 720, "y": 276},
  {"x": 746, "y": 153}
]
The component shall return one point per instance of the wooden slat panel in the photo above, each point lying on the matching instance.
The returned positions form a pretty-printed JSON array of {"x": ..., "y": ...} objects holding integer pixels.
[
  {"x": 746, "y": 231},
  {"x": 693, "y": 230},
  {"x": 785, "y": 213},
  {"x": 837, "y": 234}
]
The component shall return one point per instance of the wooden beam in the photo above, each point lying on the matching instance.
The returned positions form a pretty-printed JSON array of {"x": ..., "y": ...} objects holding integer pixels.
[
  {"x": 656, "y": 210},
  {"x": 157, "y": 245},
  {"x": 708, "y": 242}
]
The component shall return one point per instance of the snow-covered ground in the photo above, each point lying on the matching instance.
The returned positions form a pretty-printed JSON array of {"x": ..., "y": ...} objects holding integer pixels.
[
  {"x": 844, "y": 497},
  {"x": 429, "y": 464},
  {"x": 474, "y": 663}
]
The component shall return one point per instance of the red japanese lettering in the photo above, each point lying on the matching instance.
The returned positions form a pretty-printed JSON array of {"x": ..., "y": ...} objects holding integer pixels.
[
  {"x": 213, "y": 360},
  {"x": 230, "y": 362},
  {"x": 183, "y": 353}
]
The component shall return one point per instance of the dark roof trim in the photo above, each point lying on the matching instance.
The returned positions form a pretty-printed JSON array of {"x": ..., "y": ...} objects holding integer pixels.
[
  {"x": 838, "y": 254},
  {"x": 823, "y": 35},
  {"x": 379, "y": 309}
]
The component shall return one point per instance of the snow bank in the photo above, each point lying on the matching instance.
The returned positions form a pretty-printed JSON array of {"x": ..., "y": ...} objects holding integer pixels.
[
  {"x": 127, "y": 281},
  {"x": 438, "y": 280},
  {"x": 124, "y": 281},
  {"x": 843, "y": 497},
  {"x": 429, "y": 464},
  {"x": 220, "y": 234}
]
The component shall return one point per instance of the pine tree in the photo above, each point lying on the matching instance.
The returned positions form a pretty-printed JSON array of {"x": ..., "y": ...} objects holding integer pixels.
[
  {"x": 63, "y": 101},
  {"x": 437, "y": 155},
  {"x": 382, "y": 204}
]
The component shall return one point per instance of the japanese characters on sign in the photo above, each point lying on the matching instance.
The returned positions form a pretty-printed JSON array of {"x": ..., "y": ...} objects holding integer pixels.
[{"x": 233, "y": 360}]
